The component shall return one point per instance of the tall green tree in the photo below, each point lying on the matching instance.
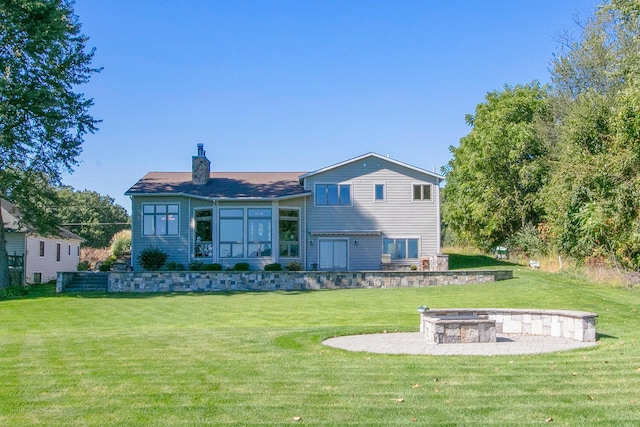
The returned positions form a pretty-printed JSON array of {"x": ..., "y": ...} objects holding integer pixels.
[
  {"x": 92, "y": 216},
  {"x": 43, "y": 119},
  {"x": 592, "y": 200},
  {"x": 497, "y": 170}
]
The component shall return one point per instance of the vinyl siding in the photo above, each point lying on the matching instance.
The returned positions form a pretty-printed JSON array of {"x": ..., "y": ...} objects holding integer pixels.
[
  {"x": 398, "y": 216},
  {"x": 48, "y": 264}
]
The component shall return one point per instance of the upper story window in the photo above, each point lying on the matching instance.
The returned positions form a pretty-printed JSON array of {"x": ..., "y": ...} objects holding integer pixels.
[
  {"x": 333, "y": 194},
  {"x": 379, "y": 192},
  {"x": 41, "y": 248},
  {"x": 58, "y": 252},
  {"x": 160, "y": 220},
  {"x": 422, "y": 192}
]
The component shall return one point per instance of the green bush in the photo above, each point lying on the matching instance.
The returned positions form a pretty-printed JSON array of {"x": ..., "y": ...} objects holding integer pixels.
[
  {"x": 83, "y": 266},
  {"x": 121, "y": 243},
  {"x": 196, "y": 266},
  {"x": 175, "y": 266},
  {"x": 213, "y": 267},
  {"x": 152, "y": 259},
  {"x": 293, "y": 266},
  {"x": 241, "y": 266},
  {"x": 107, "y": 263},
  {"x": 273, "y": 267},
  {"x": 14, "y": 290}
]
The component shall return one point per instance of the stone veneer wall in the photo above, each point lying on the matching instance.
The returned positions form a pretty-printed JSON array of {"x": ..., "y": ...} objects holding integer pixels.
[
  {"x": 576, "y": 325},
  {"x": 196, "y": 281}
]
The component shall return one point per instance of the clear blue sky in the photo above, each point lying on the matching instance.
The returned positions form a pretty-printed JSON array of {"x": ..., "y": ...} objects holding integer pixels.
[{"x": 299, "y": 85}]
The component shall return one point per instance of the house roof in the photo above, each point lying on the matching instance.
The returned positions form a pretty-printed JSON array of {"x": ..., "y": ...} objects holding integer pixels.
[
  {"x": 378, "y": 156},
  {"x": 12, "y": 222},
  {"x": 222, "y": 185}
]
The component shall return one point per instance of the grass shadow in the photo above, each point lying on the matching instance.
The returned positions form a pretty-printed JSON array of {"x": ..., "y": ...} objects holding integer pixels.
[{"x": 465, "y": 262}]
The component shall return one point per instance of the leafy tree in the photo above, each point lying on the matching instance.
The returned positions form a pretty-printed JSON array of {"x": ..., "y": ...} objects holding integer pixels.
[
  {"x": 495, "y": 174},
  {"x": 592, "y": 201},
  {"x": 98, "y": 216},
  {"x": 43, "y": 120}
]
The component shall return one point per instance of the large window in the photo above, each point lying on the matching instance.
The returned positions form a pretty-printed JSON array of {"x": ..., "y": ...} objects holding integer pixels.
[
  {"x": 231, "y": 233},
  {"x": 160, "y": 220},
  {"x": 401, "y": 248},
  {"x": 259, "y": 232},
  {"x": 288, "y": 225},
  {"x": 422, "y": 192},
  {"x": 333, "y": 194},
  {"x": 203, "y": 245}
]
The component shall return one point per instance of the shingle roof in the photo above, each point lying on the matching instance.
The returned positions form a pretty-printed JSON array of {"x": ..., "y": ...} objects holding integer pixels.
[
  {"x": 12, "y": 222},
  {"x": 222, "y": 185}
]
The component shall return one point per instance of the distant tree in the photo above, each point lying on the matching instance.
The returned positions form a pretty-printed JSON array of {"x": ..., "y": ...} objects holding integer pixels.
[
  {"x": 43, "y": 120},
  {"x": 496, "y": 172},
  {"x": 92, "y": 216}
]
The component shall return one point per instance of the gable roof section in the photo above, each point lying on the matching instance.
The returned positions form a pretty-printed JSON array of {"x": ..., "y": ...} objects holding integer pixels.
[
  {"x": 222, "y": 185},
  {"x": 12, "y": 223},
  {"x": 377, "y": 156}
]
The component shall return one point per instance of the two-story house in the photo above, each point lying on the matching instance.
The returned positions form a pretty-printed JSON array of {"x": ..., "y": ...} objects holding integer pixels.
[
  {"x": 33, "y": 257},
  {"x": 360, "y": 214}
]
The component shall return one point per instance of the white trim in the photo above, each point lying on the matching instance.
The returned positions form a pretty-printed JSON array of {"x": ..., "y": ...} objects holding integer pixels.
[
  {"x": 338, "y": 184},
  {"x": 384, "y": 192},
  {"x": 378, "y": 156}
]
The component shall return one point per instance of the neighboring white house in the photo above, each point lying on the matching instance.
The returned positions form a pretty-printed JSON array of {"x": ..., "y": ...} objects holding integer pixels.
[
  {"x": 36, "y": 258},
  {"x": 364, "y": 213}
]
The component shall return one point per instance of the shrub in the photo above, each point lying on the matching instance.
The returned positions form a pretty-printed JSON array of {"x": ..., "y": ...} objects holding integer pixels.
[
  {"x": 152, "y": 259},
  {"x": 14, "y": 290},
  {"x": 273, "y": 267},
  {"x": 241, "y": 266},
  {"x": 107, "y": 263},
  {"x": 293, "y": 266},
  {"x": 196, "y": 266},
  {"x": 83, "y": 266},
  {"x": 175, "y": 266},
  {"x": 213, "y": 267},
  {"x": 121, "y": 242}
]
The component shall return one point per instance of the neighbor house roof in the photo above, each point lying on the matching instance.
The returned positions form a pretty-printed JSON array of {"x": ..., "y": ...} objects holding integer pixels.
[
  {"x": 222, "y": 185},
  {"x": 377, "y": 156},
  {"x": 12, "y": 222}
]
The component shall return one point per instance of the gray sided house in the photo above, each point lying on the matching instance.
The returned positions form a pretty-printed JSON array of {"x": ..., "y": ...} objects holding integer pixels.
[{"x": 366, "y": 213}]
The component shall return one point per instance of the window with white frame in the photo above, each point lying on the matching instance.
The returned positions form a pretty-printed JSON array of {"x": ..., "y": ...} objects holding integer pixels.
[
  {"x": 58, "y": 252},
  {"x": 288, "y": 225},
  {"x": 259, "y": 232},
  {"x": 333, "y": 194},
  {"x": 231, "y": 233},
  {"x": 379, "y": 194},
  {"x": 41, "y": 248},
  {"x": 422, "y": 192},
  {"x": 405, "y": 248},
  {"x": 203, "y": 244},
  {"x": 160, "y": 220}
]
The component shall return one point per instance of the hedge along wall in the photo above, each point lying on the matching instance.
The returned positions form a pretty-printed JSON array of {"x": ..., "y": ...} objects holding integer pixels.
[{"x": 199, "y": 281}]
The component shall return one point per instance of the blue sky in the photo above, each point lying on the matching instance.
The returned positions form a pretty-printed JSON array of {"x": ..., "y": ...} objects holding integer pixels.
[{"x": 299, "y": 85}]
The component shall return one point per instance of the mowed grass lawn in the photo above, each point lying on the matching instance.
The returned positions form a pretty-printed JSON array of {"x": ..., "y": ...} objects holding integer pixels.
[{"x": 258, "y": 359}]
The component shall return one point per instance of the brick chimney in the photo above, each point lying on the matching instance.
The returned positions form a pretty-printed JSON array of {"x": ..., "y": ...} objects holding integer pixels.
[{"x": 200, "y": 167}]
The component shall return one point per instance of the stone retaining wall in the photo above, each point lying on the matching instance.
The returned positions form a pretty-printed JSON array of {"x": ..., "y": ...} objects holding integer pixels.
[
  {"x": 576, "y": 325},
  {"x": 197, "y": 281}
]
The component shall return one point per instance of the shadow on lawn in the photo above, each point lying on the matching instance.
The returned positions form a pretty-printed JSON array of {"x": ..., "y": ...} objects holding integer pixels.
[{"x": 464, "y": 262}]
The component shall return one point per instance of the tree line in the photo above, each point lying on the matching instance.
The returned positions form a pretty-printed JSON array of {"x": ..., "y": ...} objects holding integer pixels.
[{"x": 556, "y": 168}]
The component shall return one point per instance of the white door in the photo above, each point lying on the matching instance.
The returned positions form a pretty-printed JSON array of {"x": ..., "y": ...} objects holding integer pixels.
[{"x": 333, "y": 255}]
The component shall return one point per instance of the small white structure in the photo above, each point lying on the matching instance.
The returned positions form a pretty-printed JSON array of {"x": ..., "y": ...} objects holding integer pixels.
[{"x": 36, "y": 258}]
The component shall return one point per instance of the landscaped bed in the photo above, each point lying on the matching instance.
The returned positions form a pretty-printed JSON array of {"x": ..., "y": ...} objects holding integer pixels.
[{"x": 257, "y": 358}]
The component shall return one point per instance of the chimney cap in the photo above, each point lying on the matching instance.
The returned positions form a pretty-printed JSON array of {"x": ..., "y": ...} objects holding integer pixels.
[{"x": 200, "y": 150}]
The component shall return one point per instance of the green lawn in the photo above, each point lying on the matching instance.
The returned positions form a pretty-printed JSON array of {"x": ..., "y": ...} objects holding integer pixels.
[{"x": 257, "y": 359}]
